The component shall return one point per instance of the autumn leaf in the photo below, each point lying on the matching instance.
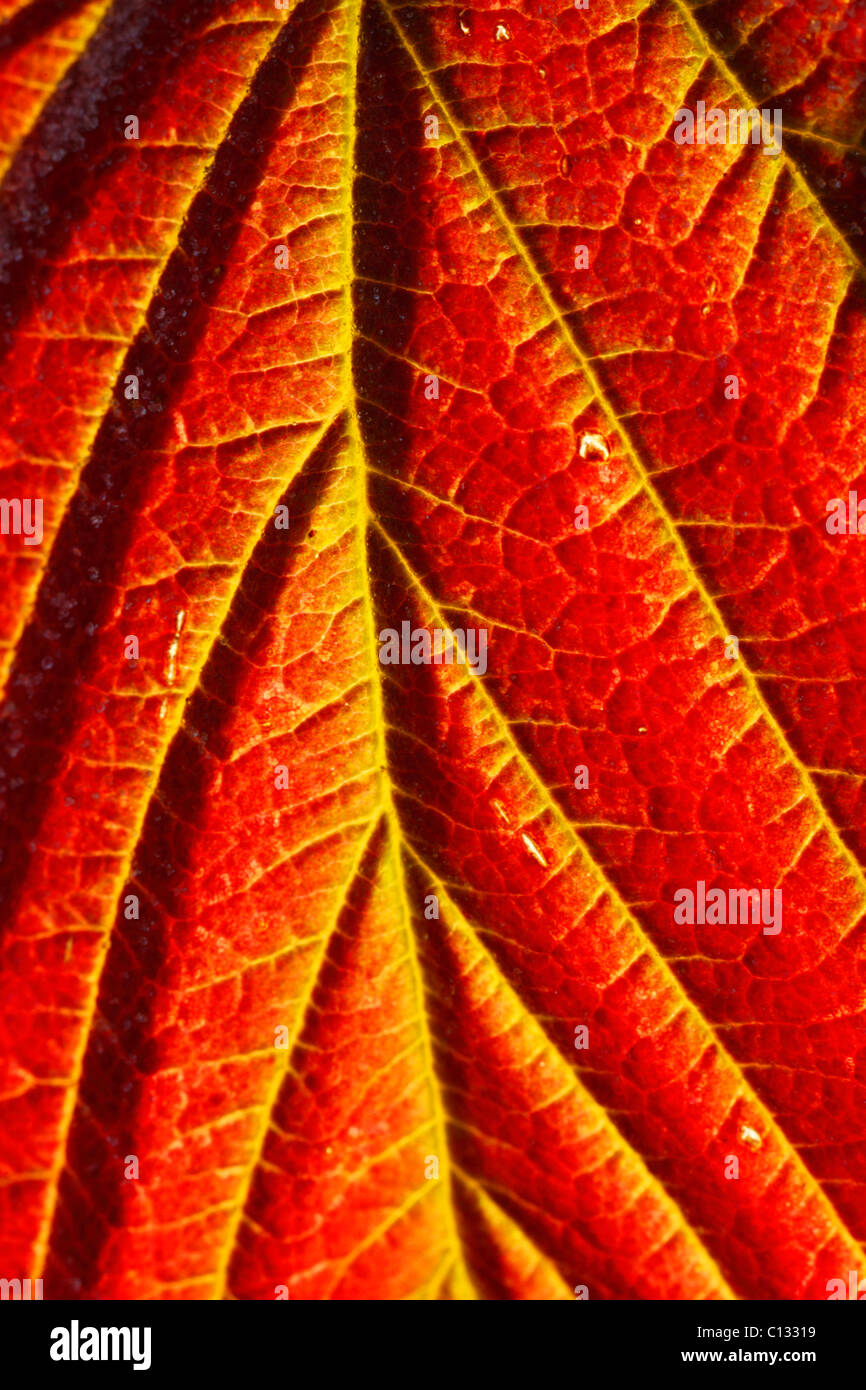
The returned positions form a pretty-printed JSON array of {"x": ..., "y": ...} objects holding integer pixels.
[{"x": 327, "y": 975}]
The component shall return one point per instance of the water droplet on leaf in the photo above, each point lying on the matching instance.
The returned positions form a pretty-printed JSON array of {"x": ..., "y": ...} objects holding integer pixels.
[
  {"x": 594, "y": 446},
  {"x": 533, "y": 849}
]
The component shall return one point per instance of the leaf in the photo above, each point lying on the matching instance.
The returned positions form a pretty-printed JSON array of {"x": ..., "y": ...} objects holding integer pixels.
[
  {"x": 809, "y": 65},
  {"x": 244, "y": 1056}
]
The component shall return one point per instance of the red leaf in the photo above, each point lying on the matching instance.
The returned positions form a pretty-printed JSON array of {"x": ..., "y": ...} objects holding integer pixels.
[{"x": 333, "y": 978}]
